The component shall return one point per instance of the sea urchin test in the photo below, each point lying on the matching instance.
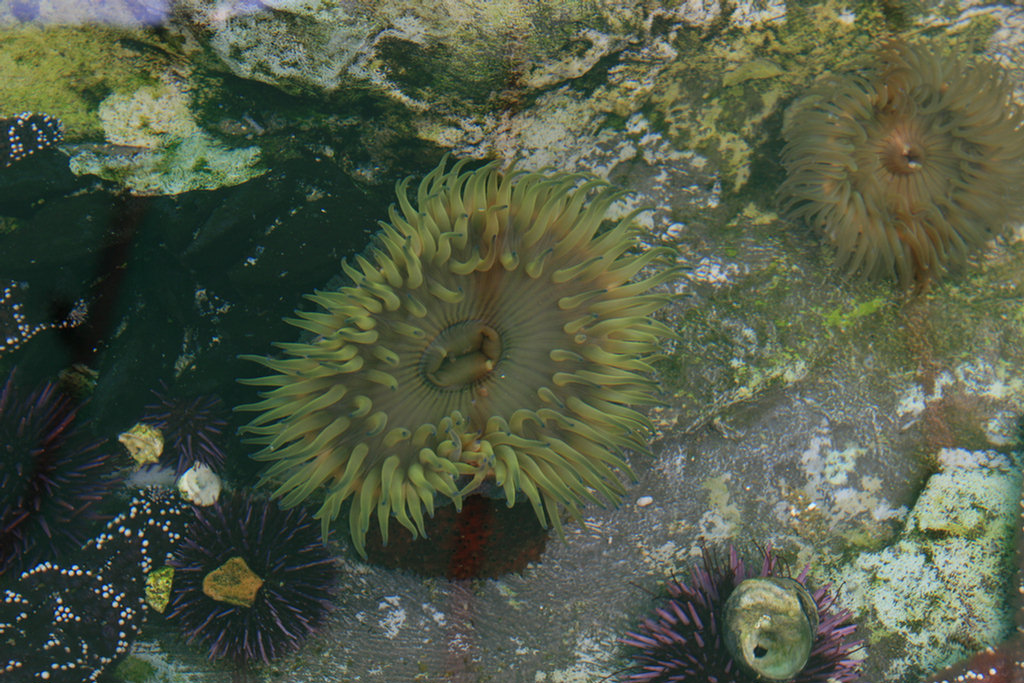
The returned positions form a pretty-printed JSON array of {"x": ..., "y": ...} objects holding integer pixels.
[{"x": 492, "y": 334}]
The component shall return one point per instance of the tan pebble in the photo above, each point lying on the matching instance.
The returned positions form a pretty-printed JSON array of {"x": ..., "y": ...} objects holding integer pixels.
[
  {"x": 144, "y": 442},
  {"x": 233, "y": 582}
]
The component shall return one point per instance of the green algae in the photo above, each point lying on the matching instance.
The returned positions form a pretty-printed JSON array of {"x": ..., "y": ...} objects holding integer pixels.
[
  {"x": 66, "y": 71},
  {"x": 135, "y": 670},
  {"x": 843, "y": 316}
]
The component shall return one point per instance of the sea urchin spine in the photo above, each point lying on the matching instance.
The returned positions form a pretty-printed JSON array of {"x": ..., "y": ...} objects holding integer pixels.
[
  {"x": 685, "y": 639},
  {"x": 251, "y": 581},
  {"x": 52, "y": 476},
  {"x": 192, "y": 428}
]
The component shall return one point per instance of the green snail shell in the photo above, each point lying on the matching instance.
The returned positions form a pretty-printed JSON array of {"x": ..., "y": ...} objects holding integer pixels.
[{"x": 770, "y": 625}]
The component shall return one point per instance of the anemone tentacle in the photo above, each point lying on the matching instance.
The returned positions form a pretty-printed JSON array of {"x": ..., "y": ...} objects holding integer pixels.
[
  {"x": 908, "y": 164},
  {"x": 493, "y": 331}
]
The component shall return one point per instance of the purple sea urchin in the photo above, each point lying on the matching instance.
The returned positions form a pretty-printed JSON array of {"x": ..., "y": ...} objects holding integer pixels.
[
  {"x": 192, "y": 428},
  {"x": 909, "y": 164},
  {"x": 251, "y": 581},
  {"x": 51, "y": 476},
  {"x": 685, "y": 640},
  {"x": 491, "y": 333}
]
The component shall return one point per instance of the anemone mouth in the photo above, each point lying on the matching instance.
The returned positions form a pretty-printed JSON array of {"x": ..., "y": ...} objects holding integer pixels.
[
  {"x": 909, "y": 164},
  {"x": 462, "y": 357},
  {"x": 491, "y": 332},
  {"x": 903, "y": 151}
]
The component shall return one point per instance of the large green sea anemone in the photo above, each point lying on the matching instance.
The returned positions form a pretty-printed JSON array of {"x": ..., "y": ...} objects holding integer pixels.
[
  {"x": 908, "y": 164},
  {"x": 492, "y": 334}
]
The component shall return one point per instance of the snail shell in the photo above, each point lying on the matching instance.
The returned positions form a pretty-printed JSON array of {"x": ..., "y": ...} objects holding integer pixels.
[{"x": 770, "y": 625}]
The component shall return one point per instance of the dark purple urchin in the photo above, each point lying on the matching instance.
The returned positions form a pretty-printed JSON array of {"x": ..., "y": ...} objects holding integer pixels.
[
  {"x": 192, "y": 428},
  {"x": 52, "y": 475},
  {"x": 684, "y": 640},
  {"x": 280, "y": 547}
]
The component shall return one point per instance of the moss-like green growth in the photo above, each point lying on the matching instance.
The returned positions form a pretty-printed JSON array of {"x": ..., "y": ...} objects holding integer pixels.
[
  {"x": 66, "y": 71},
  {"x": 842, "y": 317},
  {"x": 135, "y": 670}
]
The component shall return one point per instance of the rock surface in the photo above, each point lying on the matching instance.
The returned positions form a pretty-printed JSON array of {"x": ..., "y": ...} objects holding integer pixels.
[{"x": 260, "y": 141}]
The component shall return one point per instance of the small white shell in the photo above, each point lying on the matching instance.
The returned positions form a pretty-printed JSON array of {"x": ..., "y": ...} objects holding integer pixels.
[
  {"x": 199, "y": 485},
  {"x": 644, "y": 501}
]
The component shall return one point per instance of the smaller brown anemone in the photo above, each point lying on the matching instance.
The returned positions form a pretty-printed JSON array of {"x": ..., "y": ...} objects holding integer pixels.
[{"x": 909, "y": 164}]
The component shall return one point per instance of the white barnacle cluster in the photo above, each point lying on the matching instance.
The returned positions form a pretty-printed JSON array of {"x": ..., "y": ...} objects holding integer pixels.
[
  {"x": 13, "y": 608},
  {"x": 52, "y": 615},
  {"x": 15, "y": 326},
  {"x": 15, "y": 329},
  {"x": 26, "y": 134},
  {"x": 155, "y": 519},
  {"x": 55, "y": 622}
]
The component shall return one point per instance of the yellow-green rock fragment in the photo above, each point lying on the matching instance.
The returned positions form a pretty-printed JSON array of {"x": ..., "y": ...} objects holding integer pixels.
[
  {"x": 233, "y": 582},
  {"x": 158, "y": 588},
  {"x": 144, "y": 442}
]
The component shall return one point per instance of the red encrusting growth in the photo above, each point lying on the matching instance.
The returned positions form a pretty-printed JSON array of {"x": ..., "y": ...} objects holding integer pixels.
[{"x": 486, "y": 539}]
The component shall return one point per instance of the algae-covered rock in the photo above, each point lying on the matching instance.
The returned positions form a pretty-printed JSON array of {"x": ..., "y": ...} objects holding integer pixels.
[
  {"x": 162, "y": 149},
  {"x": 421, "y": 54},
  {"x": 940, "y": 591},
  {"x": 65, "y": 70},
  {"x": 125, "y": 103}
]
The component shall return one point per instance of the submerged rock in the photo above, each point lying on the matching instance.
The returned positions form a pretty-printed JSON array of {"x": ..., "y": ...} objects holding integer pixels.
[
  {"x": 939, "y": 592},
  {"x": 160, "y": 148}
]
